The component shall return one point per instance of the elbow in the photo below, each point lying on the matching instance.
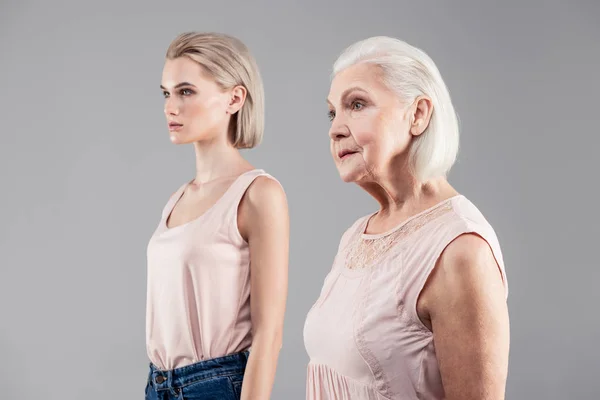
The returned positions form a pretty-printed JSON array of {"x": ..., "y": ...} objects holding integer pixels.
[{"x": 267, "y": 341}]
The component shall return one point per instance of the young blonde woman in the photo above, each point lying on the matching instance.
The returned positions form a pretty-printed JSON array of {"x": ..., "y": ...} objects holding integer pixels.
[{"x": 217, "y": 262}]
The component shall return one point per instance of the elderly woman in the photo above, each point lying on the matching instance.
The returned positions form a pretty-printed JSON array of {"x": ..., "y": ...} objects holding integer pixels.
[{"x": 415, "y": 304}]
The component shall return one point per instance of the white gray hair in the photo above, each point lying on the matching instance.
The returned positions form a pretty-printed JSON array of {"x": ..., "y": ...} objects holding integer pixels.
[{"x": 410, "y": 72}]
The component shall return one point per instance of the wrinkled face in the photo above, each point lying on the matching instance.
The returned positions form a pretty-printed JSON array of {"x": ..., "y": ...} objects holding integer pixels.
[
  {"x": 370, "y": 126},
  {"x": 196, "y": 107}
]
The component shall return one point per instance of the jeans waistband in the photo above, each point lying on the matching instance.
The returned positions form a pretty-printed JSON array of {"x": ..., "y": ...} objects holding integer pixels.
[{"x": 211, "y": 368}]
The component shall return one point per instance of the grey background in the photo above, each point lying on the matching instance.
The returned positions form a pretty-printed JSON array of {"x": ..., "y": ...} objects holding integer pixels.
[{"x": 86, "y": 166}]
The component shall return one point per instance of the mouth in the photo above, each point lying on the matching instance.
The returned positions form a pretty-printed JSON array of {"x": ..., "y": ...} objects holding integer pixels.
[
  {"x": 343, "y": 154},
  {"x": 174, "y": 126}
]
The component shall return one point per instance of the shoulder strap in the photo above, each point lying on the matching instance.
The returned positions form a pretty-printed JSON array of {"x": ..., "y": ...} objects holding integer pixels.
[
  {"x": 240, "y": 186},
  {"x": 173, "y": 199},
  {"x": 231, "y": 200}
]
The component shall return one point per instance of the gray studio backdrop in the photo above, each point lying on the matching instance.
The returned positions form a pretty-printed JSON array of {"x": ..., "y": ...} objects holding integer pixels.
[{"x": 86, "y": 167}]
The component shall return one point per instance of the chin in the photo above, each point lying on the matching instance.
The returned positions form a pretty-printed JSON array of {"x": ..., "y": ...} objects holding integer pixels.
[
  {"x": 347, "y": 179},
  {"x": 179, "y": 138},
  {"x": 349, "y": 175}
]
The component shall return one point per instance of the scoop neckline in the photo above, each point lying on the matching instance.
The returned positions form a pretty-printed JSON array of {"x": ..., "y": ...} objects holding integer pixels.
[
  {"x": 357, "y": 272},
  {"x": 208, "y": 210},
  {"x": 373, "y": 236}
]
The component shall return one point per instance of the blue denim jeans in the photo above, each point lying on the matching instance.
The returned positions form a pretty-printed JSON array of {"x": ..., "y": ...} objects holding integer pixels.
[{"x": 212, "y": 379}]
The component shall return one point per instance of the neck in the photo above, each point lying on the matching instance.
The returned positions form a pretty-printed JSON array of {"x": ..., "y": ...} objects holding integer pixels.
[
  {"x": 399, "y": 193},
  {"x": 218, "y": 159}
]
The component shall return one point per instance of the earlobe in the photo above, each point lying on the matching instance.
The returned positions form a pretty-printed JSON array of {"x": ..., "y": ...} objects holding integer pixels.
[{"x": 416, "y": 128}]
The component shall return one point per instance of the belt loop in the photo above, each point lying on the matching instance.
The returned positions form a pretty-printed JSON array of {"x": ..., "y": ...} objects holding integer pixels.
[{"x": 170, "y": 378}]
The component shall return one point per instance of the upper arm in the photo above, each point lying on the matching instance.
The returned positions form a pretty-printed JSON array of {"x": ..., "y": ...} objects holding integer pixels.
[
  {"x": 464, "y": 300},
  {"x": 264, "y": 223}
]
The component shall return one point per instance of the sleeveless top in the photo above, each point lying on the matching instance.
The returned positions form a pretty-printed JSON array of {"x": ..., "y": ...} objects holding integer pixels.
[
  {"x": 363, "y": 335},
  {"x": 198, "y": 283}
]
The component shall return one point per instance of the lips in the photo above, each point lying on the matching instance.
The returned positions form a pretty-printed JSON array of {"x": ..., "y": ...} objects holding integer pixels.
[
  {"x": 342, "y": 154},
  {"x": 174, "y": 126}
]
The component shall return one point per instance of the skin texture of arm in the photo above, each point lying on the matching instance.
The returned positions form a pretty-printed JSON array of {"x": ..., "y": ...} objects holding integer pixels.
[
  {"x": 464, "y": 304},
  {"x": 264, "y": 222}
]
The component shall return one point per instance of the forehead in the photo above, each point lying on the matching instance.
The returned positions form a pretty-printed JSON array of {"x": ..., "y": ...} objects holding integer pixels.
[
  {"x": 183, "y": 69},
  {"x": 365, "y": 76}
]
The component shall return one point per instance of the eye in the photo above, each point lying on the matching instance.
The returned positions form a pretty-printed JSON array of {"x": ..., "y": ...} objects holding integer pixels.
[
  {"x": 357, "y": 105},
  {"x": 331, "y": 115},
  {"x": 186, "y": 92},
  {"x": 165, "y": 94}
]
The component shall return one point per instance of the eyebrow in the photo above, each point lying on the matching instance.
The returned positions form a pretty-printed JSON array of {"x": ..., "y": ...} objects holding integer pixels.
[
  {"x": 348, "y": 91},
  {"x": 179, "y": 85}
]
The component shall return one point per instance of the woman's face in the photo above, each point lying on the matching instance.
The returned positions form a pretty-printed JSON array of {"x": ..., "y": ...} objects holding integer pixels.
[
  {"x": 370, "y": 126},
  {"x": 196, "y": 107}
]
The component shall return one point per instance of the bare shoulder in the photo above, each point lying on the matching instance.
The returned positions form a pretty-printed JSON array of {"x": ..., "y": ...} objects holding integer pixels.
[
  {"x": 465, "y": 273},
  {"x": 467, "y": 263},
  {"x": 466, "y": 251},
  {"x": 263, "y": 193},
  {"x": 263, "y": 208}
]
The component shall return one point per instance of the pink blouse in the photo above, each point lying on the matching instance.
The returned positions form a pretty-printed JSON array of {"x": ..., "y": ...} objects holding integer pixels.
[{"x": 363, "y": 335}]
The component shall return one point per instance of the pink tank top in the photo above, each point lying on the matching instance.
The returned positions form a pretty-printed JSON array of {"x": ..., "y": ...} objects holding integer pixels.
[
  {"x": 198, "y": 294},
  {"x": 363, "y": 335}
]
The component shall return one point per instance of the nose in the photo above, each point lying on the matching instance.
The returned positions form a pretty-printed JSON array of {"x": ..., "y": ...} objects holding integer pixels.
[
  {"x": 171, "y": 106},
  {"x": 338, "y": 130}
]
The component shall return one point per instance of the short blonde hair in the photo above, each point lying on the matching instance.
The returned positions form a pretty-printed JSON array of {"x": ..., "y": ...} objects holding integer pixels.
[
  {"x": 410, "y": 72},
  {"x": 230, "y": 63}
]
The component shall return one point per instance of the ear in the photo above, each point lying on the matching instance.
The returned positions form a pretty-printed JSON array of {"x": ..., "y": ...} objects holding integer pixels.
[
  {"x": 237, "y": 99},
  {"x": 421, "y": 115}
]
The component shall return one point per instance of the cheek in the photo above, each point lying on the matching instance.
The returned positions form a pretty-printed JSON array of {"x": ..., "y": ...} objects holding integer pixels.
[
  {"x": 380, "y": 137},
  {"x": 205, "y": 110},
  {"x": 367, "y": 129}
]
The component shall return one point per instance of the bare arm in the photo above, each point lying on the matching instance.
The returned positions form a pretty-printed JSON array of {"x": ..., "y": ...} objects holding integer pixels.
[
  {"x": 264, "y": 222},
  {"x": 464, "y": 304}
]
